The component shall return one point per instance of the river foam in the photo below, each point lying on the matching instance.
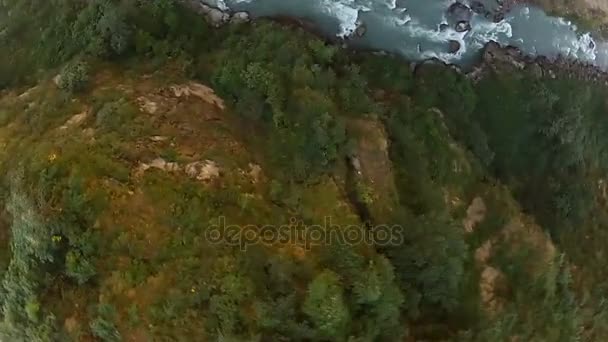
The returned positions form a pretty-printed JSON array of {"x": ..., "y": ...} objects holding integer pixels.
[{"x": 347, "y": 13}]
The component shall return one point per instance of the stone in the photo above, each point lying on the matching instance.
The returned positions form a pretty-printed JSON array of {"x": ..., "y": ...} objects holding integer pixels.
[
  {"x": 355, "y": 163},
  {"x": 443, "y": 27},
  {"x": 57, "y": 80},
  {"x": 478, "y": 7},
  {"x": 147, "y": 105},
  {"x": 161, "y": 164},
  {"x": 454, "y": 46},
  {"x": 214, "y": 16},
  {"x": 361, "y": 29},
  {"x": 498, "y": 17},
  {"x": 460, "y": 12},
  {"x": 462, "y": 26},
  {"x": 198, "y": 90},
  {"x": 158, "y": 138},
  {"x": 239, "y": 18},
  {"x": 476, "y": 213},
  {"x": 203, "y": 170},
  {"x": 75, "y": 120},
  {"x": 255, "y": 172},
  {"x": 28, "y": 92}
]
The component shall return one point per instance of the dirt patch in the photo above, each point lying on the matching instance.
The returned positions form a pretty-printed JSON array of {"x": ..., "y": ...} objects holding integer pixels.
[
  {"x": 524, "y": 232},
  {"x": 476, "y": 212},
  {"x": 491, "y": 286},
  {"x": 71, "y": 325}
]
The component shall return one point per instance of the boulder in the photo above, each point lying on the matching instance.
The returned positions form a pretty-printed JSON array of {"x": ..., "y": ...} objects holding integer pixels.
[
  {"x": 454, "y": 46},
  {"x": 460, "y": 12},
  {"x": 214, "y": 16},
  {"x": 57, "y": 80},
  {"x": 75, "y": 120},
  {"x": 203, "y": 170},
  {"x": 443, "y": 27},
  {"x": 239, "y": 18},
  {"x": 361, "y": 29},
  {"x": 255, "y": 172},
  {"x": 463, "y": 26},
  {"x": 478, "y": 7},
  {"x": 498, "y": 17}
]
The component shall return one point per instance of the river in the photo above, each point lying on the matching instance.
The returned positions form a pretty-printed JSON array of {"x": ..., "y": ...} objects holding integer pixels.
[{"x": 417, "y": 29}]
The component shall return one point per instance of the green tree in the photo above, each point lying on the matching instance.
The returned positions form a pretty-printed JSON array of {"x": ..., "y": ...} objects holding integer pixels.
[
  {"x": 431, "y": 261},
  {"x": 325, "y": 306}
]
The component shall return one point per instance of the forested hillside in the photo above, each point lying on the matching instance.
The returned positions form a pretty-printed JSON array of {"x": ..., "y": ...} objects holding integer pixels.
[{"x": 165, "y": 180}]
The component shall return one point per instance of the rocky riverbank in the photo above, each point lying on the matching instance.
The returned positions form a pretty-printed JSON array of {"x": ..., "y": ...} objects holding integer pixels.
[
  {"x": 592, "y": 15},
  {"x": 497, "y": 58}
]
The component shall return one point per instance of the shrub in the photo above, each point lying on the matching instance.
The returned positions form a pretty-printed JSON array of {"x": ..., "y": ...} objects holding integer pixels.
[
  {"x": 79, "y": 267},
  {"x": 103, "y": 326},
  {"x": 74, "y": 76},
  {"x": 113, "y": 115}
]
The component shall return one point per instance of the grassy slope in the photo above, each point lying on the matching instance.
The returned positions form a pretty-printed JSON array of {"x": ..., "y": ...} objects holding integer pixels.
[
  {"x": 128, "y": 248},
  {"x": 153, "y": 264}
]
